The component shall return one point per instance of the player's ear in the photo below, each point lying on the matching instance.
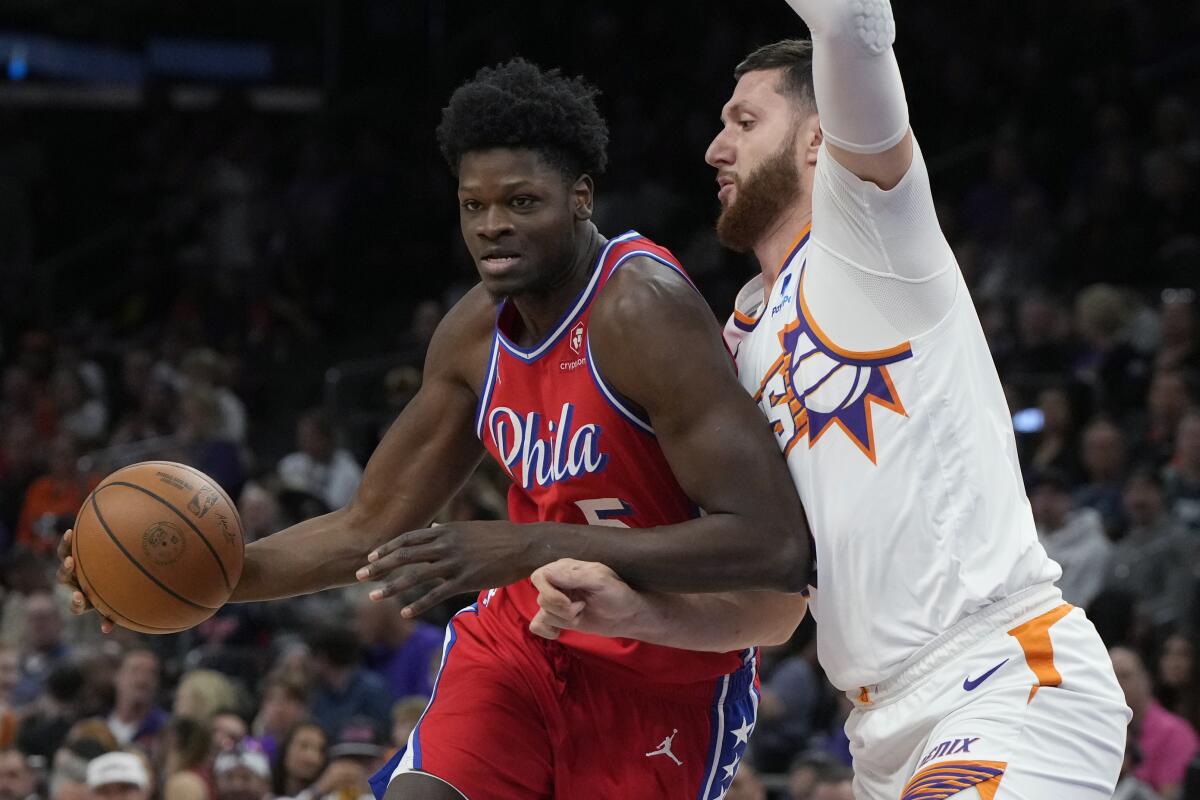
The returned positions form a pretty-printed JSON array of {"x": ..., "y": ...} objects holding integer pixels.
[
  {"x": 812, "y": 137},
  {"x": 581, "y": 197}
]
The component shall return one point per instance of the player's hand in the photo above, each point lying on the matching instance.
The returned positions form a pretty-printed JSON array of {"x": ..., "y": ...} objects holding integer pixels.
[
  {"x": 587, "y": 597},
  {"x": 66, "y": 576},
  {"x": 457, "y": 557}
]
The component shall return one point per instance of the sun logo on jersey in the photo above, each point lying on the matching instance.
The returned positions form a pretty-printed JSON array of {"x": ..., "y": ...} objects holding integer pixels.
[{"x": 815, "y": 385}]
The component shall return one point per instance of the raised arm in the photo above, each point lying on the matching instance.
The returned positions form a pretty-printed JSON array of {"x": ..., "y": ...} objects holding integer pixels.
[
  {"x": 859, "y": 94},
  {"x": 426, "y": 456}
]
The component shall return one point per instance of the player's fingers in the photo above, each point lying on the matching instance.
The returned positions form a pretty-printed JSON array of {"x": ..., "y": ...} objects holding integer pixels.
[
  {"x": 419, "y": 536},
  {"x": 560, "y": 621},
  {"x": 64, "y": 545},
  {"x": 106, "y": 625},
  {"x": 79, "y": 603},
  {"x": 540, "y": 625},
  {"x": 555, "y": 602},
  {"x": 417, "y": 554},
  {"x": 407, "y": 579},
  {"x": 443, "y": 591}
]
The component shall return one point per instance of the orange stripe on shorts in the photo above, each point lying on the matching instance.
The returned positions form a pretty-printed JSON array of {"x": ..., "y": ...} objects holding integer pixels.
[{"x": 1034, "y": 638}]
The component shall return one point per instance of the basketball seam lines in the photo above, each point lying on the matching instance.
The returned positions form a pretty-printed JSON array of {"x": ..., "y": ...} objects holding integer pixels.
[
  {"x": 208, "y": 481},
  {"x": 179, "y": 514},
  {"x": 111, "y": 610},
  {"x": 136, "y": 563}
]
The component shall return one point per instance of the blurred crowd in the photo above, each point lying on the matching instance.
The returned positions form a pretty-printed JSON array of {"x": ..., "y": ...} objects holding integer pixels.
[{"x": 256, "y": 293}]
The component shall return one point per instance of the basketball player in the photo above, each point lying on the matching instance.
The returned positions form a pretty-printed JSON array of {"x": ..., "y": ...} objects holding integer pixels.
[
  {"x": 936, "y": 606},
  {"x": 595, "y": 374}
]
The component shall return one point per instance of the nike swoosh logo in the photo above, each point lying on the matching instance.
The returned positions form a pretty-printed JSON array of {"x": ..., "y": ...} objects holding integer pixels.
[{"x": 970, "y": 685}]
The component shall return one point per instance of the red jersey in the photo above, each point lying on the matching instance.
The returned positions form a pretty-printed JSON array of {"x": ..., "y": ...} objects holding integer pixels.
[{"x": 580, "y": 453}]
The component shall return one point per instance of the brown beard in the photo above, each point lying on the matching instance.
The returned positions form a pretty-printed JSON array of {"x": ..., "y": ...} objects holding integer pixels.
[{"x": 761, "y": 199}]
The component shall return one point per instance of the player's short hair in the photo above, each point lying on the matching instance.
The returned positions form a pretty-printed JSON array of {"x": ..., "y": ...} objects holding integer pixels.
[
  {"x": 519, "y": 105},
  {"x": 794, "y": 57}
]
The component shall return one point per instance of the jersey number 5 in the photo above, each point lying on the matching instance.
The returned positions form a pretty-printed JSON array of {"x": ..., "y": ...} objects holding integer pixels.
[{"x": 604, "y": 511}]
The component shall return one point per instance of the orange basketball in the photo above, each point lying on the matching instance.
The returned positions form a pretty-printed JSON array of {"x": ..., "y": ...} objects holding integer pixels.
[{"x": 158, "y": 547}]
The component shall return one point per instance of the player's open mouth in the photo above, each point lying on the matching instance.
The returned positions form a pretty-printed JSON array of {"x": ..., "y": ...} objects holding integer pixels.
[{"x": 499, "y": 262}]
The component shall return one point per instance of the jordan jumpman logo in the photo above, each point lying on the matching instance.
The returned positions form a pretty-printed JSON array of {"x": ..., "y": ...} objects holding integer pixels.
[{"x": 664, "y": 749}]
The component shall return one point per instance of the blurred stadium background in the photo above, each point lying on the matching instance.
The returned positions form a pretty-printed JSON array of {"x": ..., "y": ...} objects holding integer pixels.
[{"x": 226, "y": 236}]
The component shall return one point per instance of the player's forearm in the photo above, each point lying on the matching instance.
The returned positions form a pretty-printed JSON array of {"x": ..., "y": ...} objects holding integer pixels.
[
  {"x": 714, "y": 553},
  {"x": 718, "y": 623},
  {"x": 319, "y": 553},
  {"x": 859, "y": 93}
]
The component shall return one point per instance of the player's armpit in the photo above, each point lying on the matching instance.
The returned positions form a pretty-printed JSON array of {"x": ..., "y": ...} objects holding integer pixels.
[
  {"x": 654, "y": 339},
  {"x": 425, "y": 457}
]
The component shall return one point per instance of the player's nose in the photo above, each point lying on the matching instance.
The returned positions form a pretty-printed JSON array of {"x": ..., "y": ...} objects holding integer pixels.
[
  {"x": 720, "y": 150},
  {"x": 494, "y": 223}
]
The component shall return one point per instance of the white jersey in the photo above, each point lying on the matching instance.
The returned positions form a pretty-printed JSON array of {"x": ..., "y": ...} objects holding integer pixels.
[{"x": 869, "y": 360}]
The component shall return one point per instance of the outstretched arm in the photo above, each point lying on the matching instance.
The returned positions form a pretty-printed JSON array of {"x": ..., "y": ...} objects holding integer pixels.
[
  {"x": 425, "y": 457},
  {"x": 590, "y": 598},
  {"x": 859, "y": 94}
]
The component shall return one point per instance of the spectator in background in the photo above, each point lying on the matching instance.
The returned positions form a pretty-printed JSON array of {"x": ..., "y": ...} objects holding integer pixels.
[
  {"x": 80, "y": 413},
  {"x": 1114, "y": 370},
  {"x": 834, "y": 784},
  {"x": 19, "y": 468},
  {"x": 202, "y": 368},
  {"x": 1042, "y": 352},
  {"x": 136, "y": 717},
  {"x": 118, "y": 776},
  {"x": 1055, "y": 446},
  {"x": 746, "y": 785},
  {"x": 1170, "y": 395},
  {"x": 204, "y": 445},
  {"x": 406, "y": 713},
  {"x": 1073, "y": 538},
  {"x": 151, "y": 415},
  {"x": 1128, "y": 785},
  {"x": 1154, "y": 561},
  {"x": 187, "y": 743},
  {"x": 242, "y": 775},
  {"x": 228, "y": 731},
  {"x": 1167, "y": 742},
  {"x": 1179, "y": 678},
  {"x": 260, "y": 512},
  {"x": 1179, "y": 346},
  {"x": 1182, "y": 476},
  {"x": 68, "y": 771},
  {"x": 804, "y": 772},
  {"x": 17, "y": 781},
  {"x": 10, "y": 674},
  {"x": 44, "y": 646},
  {"x": 49, "y": 720},
  {"x": 344, "y": 688},
  {"x": 284, "y": 706},
  {"x": 53, "y": 500},
  {"x": 1102, "y": 457},
  {"x": 404, "y": 652},
  {"x": 789, "y": 698},
  {"x": 299, "y": 760},
  {"x": 202, "y": 693},
  {"x": 319, "y": 467}
]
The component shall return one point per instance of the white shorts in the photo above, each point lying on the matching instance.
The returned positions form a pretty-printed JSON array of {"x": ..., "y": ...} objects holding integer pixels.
[{"x": 1016, "y": 702}]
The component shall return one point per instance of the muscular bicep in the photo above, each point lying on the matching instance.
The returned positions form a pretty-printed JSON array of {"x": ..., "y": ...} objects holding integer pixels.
[{"x": 660, "y": 346}]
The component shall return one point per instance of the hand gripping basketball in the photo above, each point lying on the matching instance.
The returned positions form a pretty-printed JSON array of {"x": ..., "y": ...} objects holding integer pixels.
[{"x": 66, "y": 576}]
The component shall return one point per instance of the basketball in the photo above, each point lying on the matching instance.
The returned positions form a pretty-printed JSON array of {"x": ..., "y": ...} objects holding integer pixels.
[{"x": 158, "y": 547}]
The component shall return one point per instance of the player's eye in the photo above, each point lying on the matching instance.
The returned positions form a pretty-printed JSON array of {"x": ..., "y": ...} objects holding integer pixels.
[
  {"x": 523, "y": 201},
  {"x": 470, "y": 205},
  {"x": 746, "y": 124}
]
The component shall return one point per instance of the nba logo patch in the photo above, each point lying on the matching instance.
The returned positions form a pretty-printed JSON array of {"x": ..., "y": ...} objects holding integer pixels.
[{"x": 577, "y": 338}]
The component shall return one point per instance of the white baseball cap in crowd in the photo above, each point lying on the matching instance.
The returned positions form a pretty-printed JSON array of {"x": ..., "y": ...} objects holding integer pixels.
[
  {"x": 117, "y": 768},
  {"x": 252, "y": 760}
]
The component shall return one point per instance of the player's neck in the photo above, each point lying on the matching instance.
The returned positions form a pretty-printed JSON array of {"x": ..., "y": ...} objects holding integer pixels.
[
  {"x": 542, "y": 310},
  {"x": 773, "y": 248}
]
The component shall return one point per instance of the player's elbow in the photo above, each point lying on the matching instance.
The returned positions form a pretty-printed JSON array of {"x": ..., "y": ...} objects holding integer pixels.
[{"x": 786, "y": 563}]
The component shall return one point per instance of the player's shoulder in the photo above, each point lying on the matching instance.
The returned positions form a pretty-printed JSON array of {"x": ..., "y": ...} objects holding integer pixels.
[
  {"x": 464, "y": 335},
  {"x": 648, "y": 285}
]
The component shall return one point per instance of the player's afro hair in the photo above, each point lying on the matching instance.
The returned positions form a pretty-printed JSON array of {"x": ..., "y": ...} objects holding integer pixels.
[{"x": 517, "y": 104}]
